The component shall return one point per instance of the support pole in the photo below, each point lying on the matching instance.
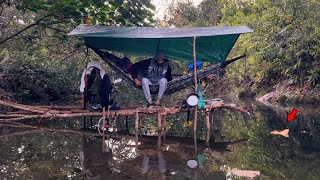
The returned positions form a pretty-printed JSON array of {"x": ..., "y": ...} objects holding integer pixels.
[
  {"x": 159, "y": 121},
  {"x": 195, "y": 64},
  {"x": 137, "y": 128},
  {"x": 208, "y": 128},
  {"x": 91, "y": 123},
  {"x": 127, "y": 125},
  {"x": 196, "y": 89},
  {"x": 103, "y": 128},
  {"x": 84, "y": 122},
  {"x": 159, "y": 141},
  {"x": 84, "y": 107},
  {"x": 164, "y": 120}
]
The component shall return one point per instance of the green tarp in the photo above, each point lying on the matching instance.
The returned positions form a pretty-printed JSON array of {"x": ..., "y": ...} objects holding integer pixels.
[{"x": 213, "y": 44}]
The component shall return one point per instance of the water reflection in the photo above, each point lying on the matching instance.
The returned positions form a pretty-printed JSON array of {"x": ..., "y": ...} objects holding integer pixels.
[
  {"x": 48, "y": 155},
  {"x": 151, "y": 158}
]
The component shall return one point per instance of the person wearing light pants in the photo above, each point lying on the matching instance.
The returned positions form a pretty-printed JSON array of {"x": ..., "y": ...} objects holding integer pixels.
[{"x": 153, "y": 71}]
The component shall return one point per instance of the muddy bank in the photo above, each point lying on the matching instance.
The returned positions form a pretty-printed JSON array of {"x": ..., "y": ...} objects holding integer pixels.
[{"x": 284, "y": 93}]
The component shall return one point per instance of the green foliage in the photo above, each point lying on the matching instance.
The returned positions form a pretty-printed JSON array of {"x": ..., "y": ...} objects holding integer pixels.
[
  {"x": 184, "y": 14},
  {"x": 38, "y": 78},
  {"x": 43, "y": 62},
  {"x": 110, "y": 12},
  {"x": 284, "y": 45},
  {"x": 285, "y": 42}
]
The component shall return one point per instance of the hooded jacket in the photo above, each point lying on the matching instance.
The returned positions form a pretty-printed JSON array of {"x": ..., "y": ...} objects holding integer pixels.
[{"x": 150, "y": 69}]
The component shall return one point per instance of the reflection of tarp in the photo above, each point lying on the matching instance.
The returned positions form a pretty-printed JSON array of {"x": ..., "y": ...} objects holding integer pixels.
[{"x": 213, "y": 43}]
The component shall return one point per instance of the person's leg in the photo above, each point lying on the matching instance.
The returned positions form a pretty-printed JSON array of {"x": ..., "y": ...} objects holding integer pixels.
[
  {"x": 146, "y": 89},
  {"x": 162, "y": 88}
]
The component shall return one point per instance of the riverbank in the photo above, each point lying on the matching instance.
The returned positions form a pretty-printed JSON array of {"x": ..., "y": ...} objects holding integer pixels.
[{"x": 283, "y": 92}]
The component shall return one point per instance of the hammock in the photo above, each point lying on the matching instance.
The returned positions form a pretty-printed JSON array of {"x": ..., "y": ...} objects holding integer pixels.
[{"x": 173, "y": 86}]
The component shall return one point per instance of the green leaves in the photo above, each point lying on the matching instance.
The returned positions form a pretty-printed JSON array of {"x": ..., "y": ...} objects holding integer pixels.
[
  {"x": 285, "y": 33},
  {"x": 185, "y": 14},
  {"x": 101, "y": 12}
]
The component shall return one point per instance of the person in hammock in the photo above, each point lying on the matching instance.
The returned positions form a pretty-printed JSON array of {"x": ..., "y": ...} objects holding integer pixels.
[{"x": 153, "y": 71}]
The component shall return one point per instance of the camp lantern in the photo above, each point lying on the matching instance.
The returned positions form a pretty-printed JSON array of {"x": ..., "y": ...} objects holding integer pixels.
[{"x": 192, "y": 99}]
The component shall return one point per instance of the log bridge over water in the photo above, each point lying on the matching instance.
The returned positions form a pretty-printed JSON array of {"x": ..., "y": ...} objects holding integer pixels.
[{"x": 25, "y": 112}]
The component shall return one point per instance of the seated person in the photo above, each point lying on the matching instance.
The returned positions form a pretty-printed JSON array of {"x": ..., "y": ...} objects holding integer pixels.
[
  {"x": 152, "y": 71},
  {"x": 148, "y": 72}
]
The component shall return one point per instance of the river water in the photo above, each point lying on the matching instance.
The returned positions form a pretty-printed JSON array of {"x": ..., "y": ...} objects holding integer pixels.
[{"x": 57, "y": 155}]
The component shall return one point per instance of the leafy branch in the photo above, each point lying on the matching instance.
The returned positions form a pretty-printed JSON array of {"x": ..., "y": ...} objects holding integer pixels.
[{"x": 24, "y": 29}]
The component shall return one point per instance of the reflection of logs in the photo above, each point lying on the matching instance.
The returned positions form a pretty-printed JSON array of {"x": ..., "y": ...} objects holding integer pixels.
[
  {"x": 185, "y": 141},
  {"x": 146, "y": 140},
  {"x": 39, "y": 129},
  {"x": 40, "y": 112}
]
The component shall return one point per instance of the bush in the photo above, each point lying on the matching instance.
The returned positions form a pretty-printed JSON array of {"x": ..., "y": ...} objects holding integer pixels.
[{"x": 38, "y": 79}]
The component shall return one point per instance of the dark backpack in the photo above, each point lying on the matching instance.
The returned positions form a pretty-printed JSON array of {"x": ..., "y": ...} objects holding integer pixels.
[
  {"x": 124, "y": 64},
  {"x": 106, "y": 90},
  {"x": 98, "y": 90},
  {"x": 92, "y": 89}
]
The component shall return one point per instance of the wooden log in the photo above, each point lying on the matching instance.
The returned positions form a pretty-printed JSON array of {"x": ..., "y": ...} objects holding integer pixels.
[
  {"x": 21, "y": 107},
  {"x": 112, "y": 113},
  {"x": 11, "y": 115},
  {"x": 59, "y": 107},
  {"x": 17, "y": 112}
]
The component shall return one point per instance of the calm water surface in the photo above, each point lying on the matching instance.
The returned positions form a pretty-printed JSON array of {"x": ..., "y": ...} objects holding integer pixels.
[{"x": 48, "y": 155}]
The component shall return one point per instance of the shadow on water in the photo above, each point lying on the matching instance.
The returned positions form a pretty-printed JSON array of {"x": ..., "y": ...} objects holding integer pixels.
[{"x": 48, "y": 155}]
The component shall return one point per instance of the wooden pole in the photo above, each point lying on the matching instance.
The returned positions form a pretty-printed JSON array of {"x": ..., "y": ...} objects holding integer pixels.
[
  {"x": 165, "y": 127},
  {"x": 208, "y": 128},
  {"x": 159, "y": 141},
  {"x": 137, "y": 128},
  {"x": 196, "y": 89},
  {"x": 195, "y": 64},
  {"x": 159, "y": 121},
  {"x": 103, "y": 128}
]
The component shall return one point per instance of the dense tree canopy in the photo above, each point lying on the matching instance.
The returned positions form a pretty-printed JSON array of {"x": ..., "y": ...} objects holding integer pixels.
[
  {"x": 285, "y": 44},
  {"x": 40, "y": 61},
  {"x": 286, "y": 39}
]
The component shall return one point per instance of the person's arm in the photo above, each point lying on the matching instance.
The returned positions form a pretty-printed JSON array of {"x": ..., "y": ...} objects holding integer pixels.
[{"x": 168, "y": 74}]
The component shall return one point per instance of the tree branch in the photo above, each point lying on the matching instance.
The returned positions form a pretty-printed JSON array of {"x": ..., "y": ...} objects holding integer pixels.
[
  {"x": 52, "y": 28},
  {"x": 24, "y": 29}
]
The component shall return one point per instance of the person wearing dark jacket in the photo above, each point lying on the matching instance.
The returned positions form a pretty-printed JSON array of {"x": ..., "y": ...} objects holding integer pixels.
[{"x": 152, "y": 71}]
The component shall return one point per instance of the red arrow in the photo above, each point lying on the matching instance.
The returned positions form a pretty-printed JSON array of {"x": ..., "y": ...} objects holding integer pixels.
[{"x": 292, "y": 114}]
